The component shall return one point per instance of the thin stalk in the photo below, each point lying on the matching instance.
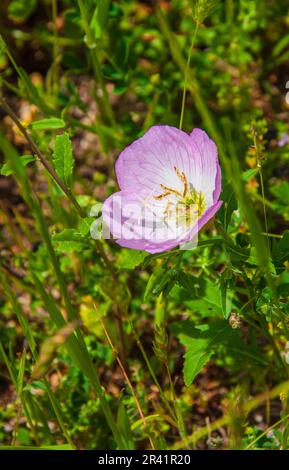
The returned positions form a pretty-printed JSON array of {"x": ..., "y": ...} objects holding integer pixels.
[
  {"x": 153, "y": 375},
  {"x": 127, "y": 379},
  {"x": 180, "y": 420},
  {"x": 58, "y": 413},
  {"x": 161, "y": 344},
  {"x": 116, "y": 311},
  {"x": 53, "y": 73},
  {"x": 186, "y": 75},
  {"x": 259, "y": 166},
  {"x": 95, "y": 62},
  {"x": 14, "y": 381},
  {"x": 266, "y": 431},
  {"x": 264, "y": 207}
]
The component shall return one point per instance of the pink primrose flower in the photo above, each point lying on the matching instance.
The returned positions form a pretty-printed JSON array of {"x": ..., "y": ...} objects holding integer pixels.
[{"x": 170, "y": 183}]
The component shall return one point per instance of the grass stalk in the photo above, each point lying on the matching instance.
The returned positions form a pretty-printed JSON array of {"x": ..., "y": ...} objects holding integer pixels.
[{"x": 186, "y": 75}]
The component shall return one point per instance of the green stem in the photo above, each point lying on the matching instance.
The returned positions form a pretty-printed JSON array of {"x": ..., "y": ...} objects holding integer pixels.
[
  {"x": 186, "y": 75},
  {"x": 14, "y": 381},
  {"x": 55, "y": 47},
  {"x": 152, "y": 373},
  {"x": 95, "y": 62}
]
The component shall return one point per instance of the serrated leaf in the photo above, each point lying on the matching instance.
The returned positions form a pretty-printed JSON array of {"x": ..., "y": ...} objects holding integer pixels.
[
  {"x": 62, "y": 157},
  {"x": 48, "y": 123},
  {"x": 68, "y": 241},
  {"x": 68, "y": 235},
  {"x": 68, "y": 247},
  {"x": 204, "y": 299},
  {"x": 200, "y": 342},
  {"x": 195, "y": 360}
]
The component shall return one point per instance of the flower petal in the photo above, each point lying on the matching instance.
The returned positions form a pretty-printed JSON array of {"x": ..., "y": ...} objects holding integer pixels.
[
  {"x": 153, "y": 173},
  {"x": 209, "y": 172},
  {"x": 138, "y": 222},
  {"x": 150, "y": 160}
]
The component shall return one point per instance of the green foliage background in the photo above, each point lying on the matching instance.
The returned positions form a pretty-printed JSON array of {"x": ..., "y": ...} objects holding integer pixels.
[{"x": 102, "y": 347}]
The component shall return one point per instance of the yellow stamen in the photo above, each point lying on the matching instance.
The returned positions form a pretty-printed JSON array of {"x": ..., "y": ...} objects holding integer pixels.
[
  {"x": 190, "y": 204},
  {"x": 170, "y": 190},
  {"x": 162, "y": 196},
  {"x": 183, "y": 179}
]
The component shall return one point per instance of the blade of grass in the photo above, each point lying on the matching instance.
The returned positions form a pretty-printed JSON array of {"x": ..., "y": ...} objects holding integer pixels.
[
  {"x": 90, "y": 42},
  {"x": 13, "y": 377}
]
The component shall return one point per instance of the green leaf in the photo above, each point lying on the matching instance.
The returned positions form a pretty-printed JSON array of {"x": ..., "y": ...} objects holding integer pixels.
[
  {"x": 226, "y": 293},
  {"x": 228, "y": 206},
  {"x": 157, "y": 274},
  {"x": 49, "y": 123},
  {"x": 84, "y": 225},
  {"x": 25, "y": 325},
  {"x": 68, "y": 241},
  {"x": 68, "y": 235},
  {"x": 280, "y": 252},
  {"x": 281, "y": 191},
  {"x": 283, "y": 289},
  {"x": 204, "y": 299},
  {"x": 21, "y": 373},
  {"x": 249, "y": 174},
  {"x": 130, "y": 259},
  {"x": 99, "y": 18},
  {"x": 280, "y": 45},
  {"x": 124, "y": 426},
  {"x": 281, "y": 203},
  {"x": 200, "y": 342},
  {"x": 161, "y": 280},
  {"x": 62, "y": 157},
  {"x": 6, "y": 169},
  {"x": 20, "y": 10},
  {"x": 49, "y": 348}
]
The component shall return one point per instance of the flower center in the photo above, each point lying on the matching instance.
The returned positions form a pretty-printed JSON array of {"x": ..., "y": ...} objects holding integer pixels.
[{"x": 187, "y": 206}]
